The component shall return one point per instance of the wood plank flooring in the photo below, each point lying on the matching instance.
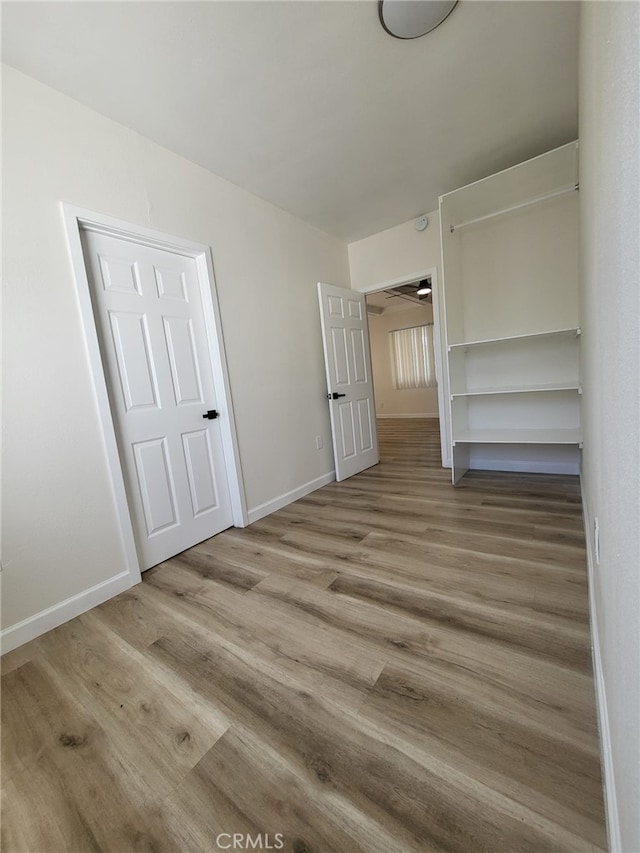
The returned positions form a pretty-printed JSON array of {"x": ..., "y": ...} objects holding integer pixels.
[{"x": 388, "y": 664}]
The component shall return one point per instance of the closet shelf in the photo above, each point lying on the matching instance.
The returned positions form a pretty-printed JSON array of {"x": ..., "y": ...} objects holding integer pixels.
[
  {"x": 514, "y": 207},
  {"x": 520, "y": 389},
  {"x": 513, "y": 365},
  {"x": 519, "y": 436},
  {"x": 576, "y": 330}
]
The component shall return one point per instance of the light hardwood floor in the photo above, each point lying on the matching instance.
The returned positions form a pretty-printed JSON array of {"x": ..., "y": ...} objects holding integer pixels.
[{"x": 386, "y": 665}]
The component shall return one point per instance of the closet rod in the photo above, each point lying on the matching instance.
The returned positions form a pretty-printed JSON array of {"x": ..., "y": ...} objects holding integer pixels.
[
  {"x": 571, "y": 188},
  {"x": 406, "y": 328}
]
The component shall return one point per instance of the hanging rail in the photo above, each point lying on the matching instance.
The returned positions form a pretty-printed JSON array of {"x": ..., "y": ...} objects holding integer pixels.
[
  {"x": 568, "y": 189},
  {"x": 406, "y": 328}
]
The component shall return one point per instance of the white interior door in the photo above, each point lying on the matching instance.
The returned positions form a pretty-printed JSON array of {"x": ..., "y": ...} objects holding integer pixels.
[
  {"x": 149, "y": 315},
  {"x": 347, "y": 358}
]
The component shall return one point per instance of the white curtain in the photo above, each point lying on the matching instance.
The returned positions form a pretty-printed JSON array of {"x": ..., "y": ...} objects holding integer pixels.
[{"x": 412, "y": 356}]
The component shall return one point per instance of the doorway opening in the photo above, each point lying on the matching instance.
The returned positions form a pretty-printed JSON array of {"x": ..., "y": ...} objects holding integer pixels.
[{"x": 404, "y": 332}]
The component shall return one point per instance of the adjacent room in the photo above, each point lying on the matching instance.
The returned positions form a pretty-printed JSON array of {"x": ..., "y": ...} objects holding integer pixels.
[
  {"x": 321, "y": 435},
  {"x": 402, "y": 351}
]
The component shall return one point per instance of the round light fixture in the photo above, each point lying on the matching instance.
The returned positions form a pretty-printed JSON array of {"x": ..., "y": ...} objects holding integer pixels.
[
  {"x": 410, "y": 19},
  {"x": 425, "y": 287}
]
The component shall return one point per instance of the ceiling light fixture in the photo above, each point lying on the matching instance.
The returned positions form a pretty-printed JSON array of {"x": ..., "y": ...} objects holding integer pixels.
[
  {"x": 410, "y": 19},
  {"x": 425, "y": 287}
]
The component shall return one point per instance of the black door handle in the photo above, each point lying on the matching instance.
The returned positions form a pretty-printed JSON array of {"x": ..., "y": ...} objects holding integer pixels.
[
  {"x": 211, "y": 415},
  {"x": 335, "y": 396}
]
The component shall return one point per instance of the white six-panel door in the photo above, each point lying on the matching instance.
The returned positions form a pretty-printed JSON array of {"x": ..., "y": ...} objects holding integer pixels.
[
  {"x": 149, "y": 315},
  {"x": 347, "y": 356}
]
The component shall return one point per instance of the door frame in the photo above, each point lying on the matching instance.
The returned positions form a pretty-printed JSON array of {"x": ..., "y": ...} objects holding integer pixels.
[
  {"x": 439, "y": 350},
  {"x": 76, "y": 220}
]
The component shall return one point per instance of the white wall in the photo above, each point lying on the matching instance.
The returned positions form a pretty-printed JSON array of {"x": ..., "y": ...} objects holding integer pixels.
[
  {"x": 422, "y": 402},
  {"x": 610, "y": 276},
  {"x": 60, "y": 531},
  {"x": 396, "y": 253}
]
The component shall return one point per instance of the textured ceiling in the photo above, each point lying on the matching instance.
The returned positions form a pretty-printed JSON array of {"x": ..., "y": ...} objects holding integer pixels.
[{"x": 311, "y": 105}]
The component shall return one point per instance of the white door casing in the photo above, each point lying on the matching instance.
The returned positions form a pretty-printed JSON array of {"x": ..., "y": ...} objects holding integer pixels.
[
  {"x": 151, "y": 327},
  {"x": 347, "y": 357}
]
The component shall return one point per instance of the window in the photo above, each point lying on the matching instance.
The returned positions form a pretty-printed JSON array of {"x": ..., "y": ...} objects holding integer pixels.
[{"x": 413, "y": 359}]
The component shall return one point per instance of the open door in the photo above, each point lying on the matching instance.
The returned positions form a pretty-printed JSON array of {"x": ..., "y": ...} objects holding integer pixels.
[{"x": 347, "y": 358}]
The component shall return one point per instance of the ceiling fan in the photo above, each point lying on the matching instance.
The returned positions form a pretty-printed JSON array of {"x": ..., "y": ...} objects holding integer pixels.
[{"x": 416, "y": 291}]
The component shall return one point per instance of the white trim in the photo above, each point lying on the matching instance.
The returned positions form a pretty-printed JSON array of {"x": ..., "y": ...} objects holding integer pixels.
[
  {"x": 442, "y": 370},
  {"x": 289, "y": 497},
  {"x": 606, "y": 752},
  {"x": 411, "y": 415},
  {"x": 38, "y": 624},
  {"x": 446, "y": 425},
  {"x": 439, "y": 349},
  {"x": 77, "y": 219},
  {"x": 72, "y": 218}
]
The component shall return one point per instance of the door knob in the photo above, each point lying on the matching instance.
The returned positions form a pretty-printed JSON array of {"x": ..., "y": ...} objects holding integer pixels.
[
  {"x": 335, "y": 396},
  {"x": 211, "y": 415}
]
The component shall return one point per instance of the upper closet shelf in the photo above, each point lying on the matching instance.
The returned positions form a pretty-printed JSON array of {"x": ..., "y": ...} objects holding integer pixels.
[
  {"x": 535, "y": 200},
  {"x": 573, "y": 331}
]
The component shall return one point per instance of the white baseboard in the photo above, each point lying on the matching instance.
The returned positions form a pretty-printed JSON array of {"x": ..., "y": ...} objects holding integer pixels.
[
  {"x": 289, "y": 497},
  {"x": 528, "y": 467},
  {"x": 606, "y": 753},
  {"x": 411, "y": 415},
  {"x": 38, "y": 624}
]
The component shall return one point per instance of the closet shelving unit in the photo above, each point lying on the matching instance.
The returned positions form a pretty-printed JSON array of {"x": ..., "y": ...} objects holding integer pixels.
[{"x": 510, "y": 261}]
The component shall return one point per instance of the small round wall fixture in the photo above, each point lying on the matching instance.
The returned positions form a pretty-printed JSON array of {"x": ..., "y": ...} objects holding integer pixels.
[
  {"x": 410, "y": 19},
  {"x": 421, "y": 223}
]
